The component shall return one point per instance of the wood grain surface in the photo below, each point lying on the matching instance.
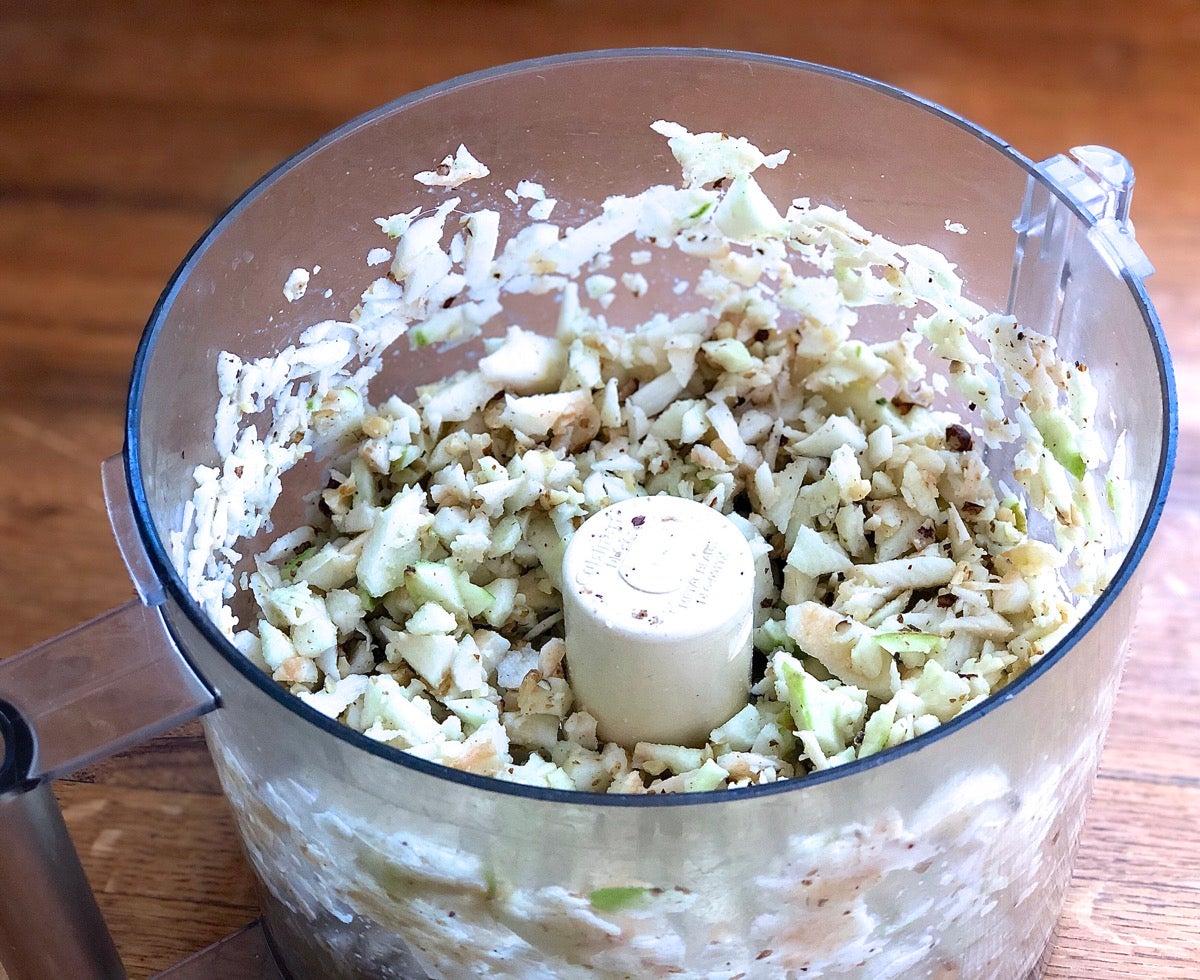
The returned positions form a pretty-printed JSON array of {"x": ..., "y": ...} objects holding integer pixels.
[{"x": 126, "y": 127}]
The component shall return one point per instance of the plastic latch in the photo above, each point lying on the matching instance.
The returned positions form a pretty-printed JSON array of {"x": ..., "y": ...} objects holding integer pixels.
[
  {"x": 1100, "y": 180},
  {"x": 120, "y": 516}
]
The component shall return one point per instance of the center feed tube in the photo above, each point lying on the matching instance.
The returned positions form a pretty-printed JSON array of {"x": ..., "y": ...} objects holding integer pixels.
[
  {"x": 96, "y": 690},
  {"x": 658, "y": 601}
]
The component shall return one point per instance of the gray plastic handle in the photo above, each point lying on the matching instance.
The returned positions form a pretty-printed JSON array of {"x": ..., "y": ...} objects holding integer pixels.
[{"x": 70, "y": 701}]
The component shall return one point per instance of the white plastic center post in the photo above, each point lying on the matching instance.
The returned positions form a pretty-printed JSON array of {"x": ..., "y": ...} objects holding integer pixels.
[{"x": 658, "y": 595}]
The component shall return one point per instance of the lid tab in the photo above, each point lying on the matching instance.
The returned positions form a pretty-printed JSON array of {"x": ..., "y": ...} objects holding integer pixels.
[{"x": 1100, "y": 180}]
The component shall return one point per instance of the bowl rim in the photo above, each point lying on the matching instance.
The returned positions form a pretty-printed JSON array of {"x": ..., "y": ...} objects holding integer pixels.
[{"x": 176, "y": 590}]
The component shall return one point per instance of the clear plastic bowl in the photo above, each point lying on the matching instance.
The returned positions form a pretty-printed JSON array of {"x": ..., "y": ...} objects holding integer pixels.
[{"x": 946, "y": 857}]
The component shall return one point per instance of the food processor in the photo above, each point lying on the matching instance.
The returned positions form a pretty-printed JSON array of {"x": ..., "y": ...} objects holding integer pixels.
[{"x": 947, "y": 856}]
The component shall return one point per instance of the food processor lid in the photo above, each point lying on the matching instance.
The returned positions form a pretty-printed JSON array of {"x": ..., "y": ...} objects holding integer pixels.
[{"x": 157, "y": 578}]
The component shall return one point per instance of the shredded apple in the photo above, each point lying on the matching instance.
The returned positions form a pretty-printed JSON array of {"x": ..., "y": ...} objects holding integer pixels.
[{"x": 897, "y": 580}]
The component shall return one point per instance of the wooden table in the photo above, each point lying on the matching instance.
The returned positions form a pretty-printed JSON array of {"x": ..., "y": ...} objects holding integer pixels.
[{"x": 126, "y": 128}]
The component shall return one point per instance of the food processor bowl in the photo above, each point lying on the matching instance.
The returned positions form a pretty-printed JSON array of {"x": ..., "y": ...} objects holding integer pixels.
[{"x": 947, "y": 856}]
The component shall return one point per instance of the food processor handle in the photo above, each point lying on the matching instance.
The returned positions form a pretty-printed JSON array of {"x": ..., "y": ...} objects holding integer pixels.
[{"x": 71, "y": 701}]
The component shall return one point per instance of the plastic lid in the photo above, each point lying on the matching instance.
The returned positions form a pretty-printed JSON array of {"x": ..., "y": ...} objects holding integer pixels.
[{"x": 658, "y": 598}]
